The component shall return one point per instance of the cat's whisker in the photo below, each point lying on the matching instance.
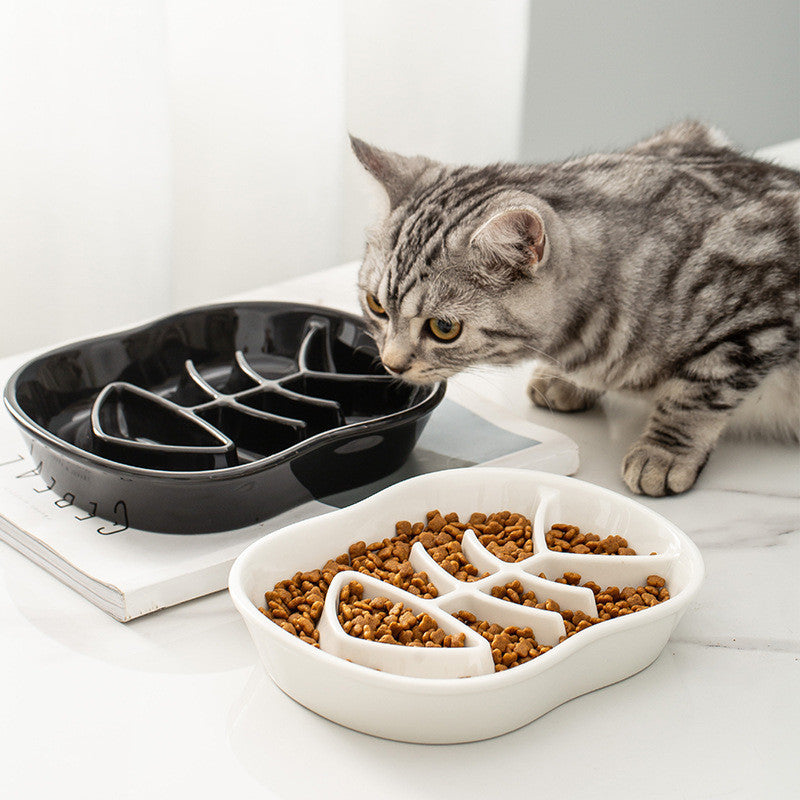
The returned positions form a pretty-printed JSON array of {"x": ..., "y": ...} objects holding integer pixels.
[
  {"x": 480, "y": 373},
  {"x": 547, "y": 358},
  {"x": 376, "y": 363},
  {"x": 552, "y": 375},
  {"x": 543, "y": 396}
]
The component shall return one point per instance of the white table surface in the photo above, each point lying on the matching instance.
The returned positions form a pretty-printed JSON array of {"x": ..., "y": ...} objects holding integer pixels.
[{"x": 176, "y": 702}]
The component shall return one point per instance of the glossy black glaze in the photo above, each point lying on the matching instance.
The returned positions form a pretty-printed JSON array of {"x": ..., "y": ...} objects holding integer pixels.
[{"x": 217, "y": 417}]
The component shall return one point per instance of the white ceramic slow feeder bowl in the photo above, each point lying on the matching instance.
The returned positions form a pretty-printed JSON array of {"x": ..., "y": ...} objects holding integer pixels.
[{"x": 447, "y": 695}]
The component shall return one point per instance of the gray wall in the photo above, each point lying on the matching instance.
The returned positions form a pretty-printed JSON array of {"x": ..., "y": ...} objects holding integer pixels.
[{"x": 602, "y": 74}]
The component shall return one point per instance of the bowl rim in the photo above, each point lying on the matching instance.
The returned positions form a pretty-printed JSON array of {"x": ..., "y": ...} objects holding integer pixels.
[
  {"x": 428, "y": 403},
  {"x": 477, "y": 683}
]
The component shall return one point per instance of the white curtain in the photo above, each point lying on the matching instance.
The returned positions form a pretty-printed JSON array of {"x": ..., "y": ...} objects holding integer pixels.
[
  {"x": 156, "y": 154},
  {"x": 85, "y": 188}
]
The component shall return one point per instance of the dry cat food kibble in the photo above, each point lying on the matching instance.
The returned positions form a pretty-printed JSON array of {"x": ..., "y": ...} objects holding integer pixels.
[
  {"x": 515, "y": 593},
  {"x": 511, "y": 646},
  {"x": 507, "y": 536},
  {"x": 563, "y": 538},
  {"x": 382, "y": 620},
  {"x": 442, "y": 537},
  {"x": 611, "y": 602},
  {"x": 296, "y": 604}
]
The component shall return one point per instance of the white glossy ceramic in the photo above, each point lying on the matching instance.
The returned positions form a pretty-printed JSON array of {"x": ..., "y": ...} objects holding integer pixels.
[{"x": 367, "y": 694}]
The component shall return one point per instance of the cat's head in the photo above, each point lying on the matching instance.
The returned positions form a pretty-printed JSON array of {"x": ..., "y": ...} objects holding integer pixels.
[{"x": 442, "y": 268}]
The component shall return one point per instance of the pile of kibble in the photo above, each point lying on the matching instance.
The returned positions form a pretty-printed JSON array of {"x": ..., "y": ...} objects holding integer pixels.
[
  {"x": 568, "y": 539},
  {"x": 511, "y": 646},
  {"x": 296, "y": 603},
  {"x": 611, "y": 602},
  {"x": 382, "y": 620},
  {"x": 506, "y": 536},
  {"x": 442, "y": 539}
]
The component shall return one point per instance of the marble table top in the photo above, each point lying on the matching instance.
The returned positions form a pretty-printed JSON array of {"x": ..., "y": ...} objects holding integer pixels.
[{"x": 176, "y": 702}]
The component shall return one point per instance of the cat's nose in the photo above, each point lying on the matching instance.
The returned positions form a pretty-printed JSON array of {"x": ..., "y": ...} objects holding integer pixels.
[
  {"x": 396, "y": 358},
  {"x": 397, "y": 367}
]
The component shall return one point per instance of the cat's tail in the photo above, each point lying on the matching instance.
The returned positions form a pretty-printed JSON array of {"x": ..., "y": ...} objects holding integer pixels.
[{"x": 687, "y": 138}]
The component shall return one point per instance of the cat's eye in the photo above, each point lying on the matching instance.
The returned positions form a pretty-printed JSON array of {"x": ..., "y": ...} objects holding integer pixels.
[
  {"x": 444, "y": 330},
  {"x": 374, "y": 306}
]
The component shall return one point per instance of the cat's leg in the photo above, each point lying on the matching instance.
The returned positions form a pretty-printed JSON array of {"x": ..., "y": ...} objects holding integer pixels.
[
  {"x": 548, "y": 388},
  {"x": 682, "y": 430}
]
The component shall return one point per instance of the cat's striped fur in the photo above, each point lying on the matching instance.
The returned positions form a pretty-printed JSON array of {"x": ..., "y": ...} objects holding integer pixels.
[{"x": 670, "y": 268}]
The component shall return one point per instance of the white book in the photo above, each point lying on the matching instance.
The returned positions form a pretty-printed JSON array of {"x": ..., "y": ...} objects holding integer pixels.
[{"x": 129, "y": 573}]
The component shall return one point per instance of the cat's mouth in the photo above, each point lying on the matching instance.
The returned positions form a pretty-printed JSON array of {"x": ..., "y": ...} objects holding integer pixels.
[{"x": 421, "y": 377}]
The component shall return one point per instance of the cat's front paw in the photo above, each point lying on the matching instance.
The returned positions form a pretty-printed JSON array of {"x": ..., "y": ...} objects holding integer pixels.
[
  {"x": 655, "y": 471},
  {"x": 559, "y": 394}
]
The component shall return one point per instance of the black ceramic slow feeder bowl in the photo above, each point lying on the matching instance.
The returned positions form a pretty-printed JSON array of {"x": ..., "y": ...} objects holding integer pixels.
[{"x": 217, "y": 417}]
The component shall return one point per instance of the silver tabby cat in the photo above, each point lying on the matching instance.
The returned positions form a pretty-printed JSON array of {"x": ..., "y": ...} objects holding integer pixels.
[{"x": 669, "y": 268}]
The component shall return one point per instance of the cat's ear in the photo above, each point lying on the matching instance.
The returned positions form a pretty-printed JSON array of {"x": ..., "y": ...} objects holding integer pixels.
[
  {"x": 509, "y": 245},
  {"x": 396, "y": 173}
]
